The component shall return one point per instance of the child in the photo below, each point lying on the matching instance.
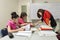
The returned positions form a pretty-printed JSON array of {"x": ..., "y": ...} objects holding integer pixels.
[
  {"x": 21, "y": 19},
  {"x": 12, "y": 23}
]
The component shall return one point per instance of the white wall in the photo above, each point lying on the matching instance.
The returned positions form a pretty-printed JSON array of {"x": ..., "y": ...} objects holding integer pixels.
[
  {"x": 27, "y": 2},
  {"x": 24, "y": 2},
  {"x": 53, "y": 8},
  {"x": 41, "y": 1},
  {"x": 6, "y": 7}
]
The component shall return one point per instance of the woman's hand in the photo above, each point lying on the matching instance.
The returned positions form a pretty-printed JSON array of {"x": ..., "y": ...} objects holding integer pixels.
[{"x": 49, "y": 25}]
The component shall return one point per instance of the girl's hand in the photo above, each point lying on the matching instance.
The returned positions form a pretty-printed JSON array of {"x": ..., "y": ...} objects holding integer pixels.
[
  {"x": 25, "y": 24},
  {"x": 21, "y": 29},
  {"x": 31, "y": 23}
]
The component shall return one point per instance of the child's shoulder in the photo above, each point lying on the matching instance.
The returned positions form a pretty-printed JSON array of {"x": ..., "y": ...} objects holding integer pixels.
[{"x": 20, "y": 19}]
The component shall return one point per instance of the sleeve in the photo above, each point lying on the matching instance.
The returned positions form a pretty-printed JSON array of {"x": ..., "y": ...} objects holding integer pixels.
[{"x": 8, "y": 24}]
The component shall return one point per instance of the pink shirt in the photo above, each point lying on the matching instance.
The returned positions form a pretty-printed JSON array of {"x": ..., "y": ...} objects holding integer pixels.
[
  {"x": 11, "y": 24},
  {"x": 21, "y": 21}
]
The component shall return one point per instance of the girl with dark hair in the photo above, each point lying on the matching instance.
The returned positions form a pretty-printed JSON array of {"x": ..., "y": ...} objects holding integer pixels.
[
  {"x": 46, "y": 17},
  {"x": 12, "y": 24},
  {"x": 21, "y": 19},
  {"x": 23, "y": 15}
]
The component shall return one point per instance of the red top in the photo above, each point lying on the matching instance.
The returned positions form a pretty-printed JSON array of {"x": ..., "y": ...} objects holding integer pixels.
[
  {"x": 11, "y": 24},
  {"x": 46, "y": 17},
  {"x": 20, "y": 21}
]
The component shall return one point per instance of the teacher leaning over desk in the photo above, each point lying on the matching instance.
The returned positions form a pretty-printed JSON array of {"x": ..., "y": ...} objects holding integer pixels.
[{"x": 47, "y": 17}]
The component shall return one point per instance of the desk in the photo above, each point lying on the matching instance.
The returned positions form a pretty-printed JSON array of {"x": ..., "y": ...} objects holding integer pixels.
[
  {"x": 15, "y": 38},
  {"x": 35, "y": 36}
]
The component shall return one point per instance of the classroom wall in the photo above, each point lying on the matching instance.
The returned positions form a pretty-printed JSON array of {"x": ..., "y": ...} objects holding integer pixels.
[
  {"x": 6, "y": 7},
  {"x": 53, "y": 8},
  {"x": 41, "y": 1},
  {"x": 24, "y": 2},
  {"x": 28, "y": 2}
]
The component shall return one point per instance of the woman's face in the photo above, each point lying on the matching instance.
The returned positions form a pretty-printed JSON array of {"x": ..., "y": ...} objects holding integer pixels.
[{"x": 40, "y": 13}]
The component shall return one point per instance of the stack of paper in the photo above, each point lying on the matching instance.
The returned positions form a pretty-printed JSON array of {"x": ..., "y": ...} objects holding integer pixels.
[
  {"x": 47, "y": 33},
  {"x": 45, "y": 27},
  {"x": 24, "y": 33}
]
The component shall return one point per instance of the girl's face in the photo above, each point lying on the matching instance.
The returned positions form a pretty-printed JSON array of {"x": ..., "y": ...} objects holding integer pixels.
[
  {"x": 40, "y": 13},
  {"x": 24, "y": 17},
  {"x": 15, "y": 20}
]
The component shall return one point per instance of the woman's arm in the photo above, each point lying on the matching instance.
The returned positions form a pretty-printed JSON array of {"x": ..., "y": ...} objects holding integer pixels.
[
  {"x": 12, "y": 31},
  {"x": 47, "y": 21}
]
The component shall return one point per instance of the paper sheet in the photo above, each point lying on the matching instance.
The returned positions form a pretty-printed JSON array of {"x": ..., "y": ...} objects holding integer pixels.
[
  {"x": 47, "y": 33},
  {"x": 27, "y": 27},
  {"x": 24, "y": 33}
]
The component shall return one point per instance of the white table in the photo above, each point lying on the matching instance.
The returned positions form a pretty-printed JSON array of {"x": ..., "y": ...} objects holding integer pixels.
[
  {"x": 15, "y": 38},
  {"x": 35, "y": 36}
]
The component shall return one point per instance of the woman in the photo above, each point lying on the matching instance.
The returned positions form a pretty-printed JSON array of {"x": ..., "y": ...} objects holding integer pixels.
[
  {"x": 47, "y": 17},
  {"x": 12, "y": 23},
  {"x": 21, "y": 19}
]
